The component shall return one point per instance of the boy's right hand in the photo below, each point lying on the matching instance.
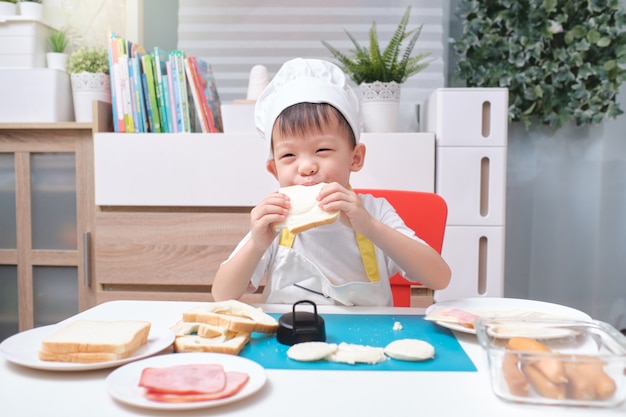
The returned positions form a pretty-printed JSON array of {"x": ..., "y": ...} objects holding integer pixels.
[{"x": 273, "y": 209}]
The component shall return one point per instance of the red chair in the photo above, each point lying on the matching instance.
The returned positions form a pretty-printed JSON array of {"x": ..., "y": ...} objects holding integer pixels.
[{"x": 426, "y": 214}]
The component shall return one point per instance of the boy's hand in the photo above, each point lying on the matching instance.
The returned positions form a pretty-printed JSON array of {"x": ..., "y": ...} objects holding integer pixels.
[
  {"x": 335, "y": 196},
  {"x": 273, "y": 209}
]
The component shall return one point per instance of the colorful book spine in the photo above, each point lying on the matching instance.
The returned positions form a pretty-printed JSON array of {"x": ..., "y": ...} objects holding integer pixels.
[
  {"x": 160, "y": 73},
  {"x": 129, "y": 125},
  {"x": 150, "y": 94},
  {"x": 209, "y": 91},
  {"x": 184, "y": 94},
  {"x": 139, "y": 102},
  {"x": 172, "y": 107},
  {"x": 116, "y": 92},
  {"x": 195, "y": 94},
  {"x": 177, "y": 93}
]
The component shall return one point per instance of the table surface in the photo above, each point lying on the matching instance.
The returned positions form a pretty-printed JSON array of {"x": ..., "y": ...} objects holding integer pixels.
[{"x": 31, "y": 392}]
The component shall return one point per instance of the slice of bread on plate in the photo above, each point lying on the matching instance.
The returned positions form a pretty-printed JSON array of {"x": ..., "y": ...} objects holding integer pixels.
[
  {"x": 304, "y": 211},
  {"x": 232, "y": 315},
  {"x": 88, "y": 341}
]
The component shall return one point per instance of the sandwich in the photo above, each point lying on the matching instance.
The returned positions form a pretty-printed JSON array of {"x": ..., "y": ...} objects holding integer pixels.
[
  {"x": 232, "y": 315},
  {"x": 202, "y": 337},
  {"x": 89, "y": 341},
  {"x": 221, "y": 327},
  {"x": 305, "y": 212}
]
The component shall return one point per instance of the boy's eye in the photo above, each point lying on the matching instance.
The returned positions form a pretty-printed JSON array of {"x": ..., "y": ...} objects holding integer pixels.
[
  {"x": 287, "y": 155},
  {"x": 323, "y": 149}
]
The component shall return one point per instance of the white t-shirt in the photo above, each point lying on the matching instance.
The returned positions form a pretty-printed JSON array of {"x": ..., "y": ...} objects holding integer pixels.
[{"x": 334, "y": 251}]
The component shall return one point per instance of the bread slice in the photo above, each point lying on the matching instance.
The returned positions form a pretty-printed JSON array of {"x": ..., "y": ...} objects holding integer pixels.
[
  {"x": 231, "y": 343},
  {"x": 81, "y": 357},
  {"x": 305, "y": 212},
  {"x": 95, "y": 341},
  {"x": 232, "y": 315},
  {"x": 411, "y": 350}
]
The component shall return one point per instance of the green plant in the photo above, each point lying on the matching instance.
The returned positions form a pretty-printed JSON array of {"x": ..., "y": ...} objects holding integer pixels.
[
  {"x": 88, "y": 60},
  {"x": 8, "y": 1},
  {"x": 561, "y": 60},
  {"x": 30, "y": 1},
  {"x": 364, "y": 64},
  {"x": 58, "y": 41}
]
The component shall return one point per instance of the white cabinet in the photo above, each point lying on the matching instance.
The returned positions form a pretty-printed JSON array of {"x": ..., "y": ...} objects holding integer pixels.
[{"x": 471, "y": 127}]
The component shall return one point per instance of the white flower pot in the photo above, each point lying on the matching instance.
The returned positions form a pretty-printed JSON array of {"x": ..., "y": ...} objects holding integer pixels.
[
  {"x": 380, "y": 103},
  {"x": 31, "y": 10},
  {"x": 57, "y": 60},
  {"x": 7, "y": 9},
  {"x": 87, "y": 87}
]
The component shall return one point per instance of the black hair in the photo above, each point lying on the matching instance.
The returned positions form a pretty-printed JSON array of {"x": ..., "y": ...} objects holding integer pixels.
[{"x": 301, "y": 117}]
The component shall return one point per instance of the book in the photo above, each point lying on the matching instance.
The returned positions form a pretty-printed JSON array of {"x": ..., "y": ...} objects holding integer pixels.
[
  {"x": 181, "y": 87},
  {"x": 114, "y": 51},
  {"x": 192, "y": 77},
  {"x": 127, "y": 111},
  {"x": 172, "y": 106},
  {"x": 139, "y": 104},
  {"x": 150, "y": 94},
  {"x": 175, "y": 86},
  {"x": 209, "y": 94},
  {"x": 159, "y": 57}
]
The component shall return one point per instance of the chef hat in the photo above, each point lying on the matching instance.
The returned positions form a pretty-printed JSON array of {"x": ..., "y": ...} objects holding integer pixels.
[{"x": 307, "y": 81}]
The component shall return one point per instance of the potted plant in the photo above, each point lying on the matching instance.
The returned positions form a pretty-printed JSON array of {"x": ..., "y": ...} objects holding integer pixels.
[
  {"x": 89, "y": 75},
  {"x": 57, "y": 42},
  {"x": 32, "y": 9},
  {"x": 561, "y": 60},
  {"x": 380, "y": 72},
  {"x": 8, "y": 7}
]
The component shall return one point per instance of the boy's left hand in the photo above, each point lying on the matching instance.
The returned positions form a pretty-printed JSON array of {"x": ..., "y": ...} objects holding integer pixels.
[{"x": 335, "y": 196}]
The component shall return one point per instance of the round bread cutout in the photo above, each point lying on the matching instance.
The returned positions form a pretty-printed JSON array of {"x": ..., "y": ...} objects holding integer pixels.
[
  {"x": 410, "y": 350},
  {"x": 311, "y": 351}
]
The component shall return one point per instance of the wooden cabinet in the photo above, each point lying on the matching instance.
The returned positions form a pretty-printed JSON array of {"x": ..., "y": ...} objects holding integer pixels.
[{"x": 47, "y": 211}]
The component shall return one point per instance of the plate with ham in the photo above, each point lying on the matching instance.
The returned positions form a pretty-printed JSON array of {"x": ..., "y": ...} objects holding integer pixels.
[
  {"x": 184, "y": 381},
  {"x": 460, "y": 314}
]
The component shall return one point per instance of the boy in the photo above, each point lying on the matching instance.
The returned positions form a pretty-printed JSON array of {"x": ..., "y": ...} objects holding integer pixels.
[{"x": 311, "y": 119}]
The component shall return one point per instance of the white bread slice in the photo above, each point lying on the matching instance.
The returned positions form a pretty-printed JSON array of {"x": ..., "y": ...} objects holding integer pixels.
[
  {"x": 411, "y": 350},
  {"x": 221, "y": 344},
  {"x": 353, "y": 353},
  {"x": 81, "y": 357},
  {"x": 95, "y": 341},
  {"x": 311, "y": 351},
  {"x": 232, "y": 315},
  {"x": 304, "y": 212}
]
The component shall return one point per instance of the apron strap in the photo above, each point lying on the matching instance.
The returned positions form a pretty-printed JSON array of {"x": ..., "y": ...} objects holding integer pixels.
[{"x": 366, "y": 249}]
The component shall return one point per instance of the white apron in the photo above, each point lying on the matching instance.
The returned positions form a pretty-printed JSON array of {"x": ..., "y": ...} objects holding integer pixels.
[{"x": 301, "y": 279}]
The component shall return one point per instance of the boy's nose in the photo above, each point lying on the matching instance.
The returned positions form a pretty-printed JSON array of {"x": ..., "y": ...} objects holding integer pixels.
[{"x": 307, "y": 168}]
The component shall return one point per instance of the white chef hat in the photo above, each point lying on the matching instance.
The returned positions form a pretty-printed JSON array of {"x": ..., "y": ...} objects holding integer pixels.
[{"x": 307, "y": 81}]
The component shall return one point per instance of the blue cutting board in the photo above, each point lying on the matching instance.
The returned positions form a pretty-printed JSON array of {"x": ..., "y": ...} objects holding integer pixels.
[{"x": 373, "y": 330}]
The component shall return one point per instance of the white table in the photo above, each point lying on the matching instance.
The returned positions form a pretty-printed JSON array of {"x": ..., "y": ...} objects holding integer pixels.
[{"x": 28, "y": 392}]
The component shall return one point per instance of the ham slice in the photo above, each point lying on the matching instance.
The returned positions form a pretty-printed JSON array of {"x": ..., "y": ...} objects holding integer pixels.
[
  {"x": 184, "y": 379},
  {"x": 234, "y": 383}
]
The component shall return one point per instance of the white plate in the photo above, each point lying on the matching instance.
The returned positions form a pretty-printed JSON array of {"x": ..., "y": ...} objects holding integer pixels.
[
  {"x": 123, "y": 383},
  {"x": 494, "y": 306},
  {"x": 21, "y": 348}
]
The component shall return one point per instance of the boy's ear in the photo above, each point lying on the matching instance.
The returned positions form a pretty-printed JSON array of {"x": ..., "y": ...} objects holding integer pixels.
[
  {"x": 358, "y": 157},
  {"x": 270, "y": 165}
]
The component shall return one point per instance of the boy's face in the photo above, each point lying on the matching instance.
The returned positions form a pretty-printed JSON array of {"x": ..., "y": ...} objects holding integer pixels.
[{"x": 324, "y": 155}]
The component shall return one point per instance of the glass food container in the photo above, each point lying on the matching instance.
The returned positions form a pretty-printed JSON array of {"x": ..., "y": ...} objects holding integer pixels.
[{"x": 559, "y": 362}]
